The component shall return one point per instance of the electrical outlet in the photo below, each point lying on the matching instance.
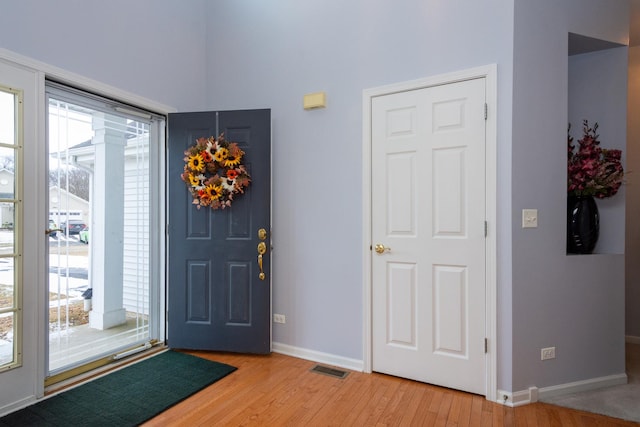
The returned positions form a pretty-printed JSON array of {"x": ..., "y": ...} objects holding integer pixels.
[
  {"x": 548, "y": 353},
  {"x": 279, "y": 318}
]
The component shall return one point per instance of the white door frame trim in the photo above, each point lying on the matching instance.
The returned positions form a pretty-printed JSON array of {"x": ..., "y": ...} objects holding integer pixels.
[{"x": 489, "y": 73}]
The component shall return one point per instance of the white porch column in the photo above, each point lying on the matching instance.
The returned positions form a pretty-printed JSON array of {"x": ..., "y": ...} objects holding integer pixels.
[{"x": 107, "y": 223}]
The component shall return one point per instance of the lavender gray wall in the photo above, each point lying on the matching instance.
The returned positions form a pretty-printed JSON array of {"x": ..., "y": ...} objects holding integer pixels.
[
  {"x": 224, "y": 55},
  {"x": 227, "y": 54},
  {"x": 269, "y": 54},
  {"x": 152, "y": 48},
  {"x": 575, "y": 303}
]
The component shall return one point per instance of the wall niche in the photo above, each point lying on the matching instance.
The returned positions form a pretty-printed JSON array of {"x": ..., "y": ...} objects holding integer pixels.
[{"x": 597, "y": 92}]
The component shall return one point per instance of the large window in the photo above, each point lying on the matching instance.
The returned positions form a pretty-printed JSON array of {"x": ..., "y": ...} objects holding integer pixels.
[{"x": 10, "y": 267}]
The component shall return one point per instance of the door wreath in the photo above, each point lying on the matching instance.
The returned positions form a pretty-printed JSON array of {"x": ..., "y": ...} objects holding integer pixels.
[{"x": 213, "y": 172}]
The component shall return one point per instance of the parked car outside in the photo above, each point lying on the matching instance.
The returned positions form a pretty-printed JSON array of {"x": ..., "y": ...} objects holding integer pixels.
[
  {"x": 84, "y": 235},
  {"x": 74, "y": 226},
  {"x": 53, "y": 226}
]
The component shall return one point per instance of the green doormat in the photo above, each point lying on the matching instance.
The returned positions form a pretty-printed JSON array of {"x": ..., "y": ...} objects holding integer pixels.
[{"x": 126, "y": 397}]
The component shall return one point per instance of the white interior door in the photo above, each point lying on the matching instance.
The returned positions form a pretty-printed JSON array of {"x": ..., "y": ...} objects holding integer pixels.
[{"x": 428, "y": 231}]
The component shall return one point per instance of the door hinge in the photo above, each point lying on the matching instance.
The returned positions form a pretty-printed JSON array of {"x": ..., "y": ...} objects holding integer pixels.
[
  {"x": 486, "y": 345},
  {"x": 486, "y": 110},
  {"x": 486, "y": 228}
]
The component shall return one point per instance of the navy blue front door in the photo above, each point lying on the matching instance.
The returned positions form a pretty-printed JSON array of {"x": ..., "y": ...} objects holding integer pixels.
[{"x": 217, "y": 298}]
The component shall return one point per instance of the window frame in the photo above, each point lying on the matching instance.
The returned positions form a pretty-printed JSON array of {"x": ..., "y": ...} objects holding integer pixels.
[
  {"x": 17, "y": 200},
  {"x": 86, "y": 98}
]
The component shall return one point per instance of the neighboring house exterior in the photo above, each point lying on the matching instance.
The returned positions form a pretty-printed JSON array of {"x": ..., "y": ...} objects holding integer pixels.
[
  {"x": 256, "y": 54},
  {"x": 64, "y": 205}
]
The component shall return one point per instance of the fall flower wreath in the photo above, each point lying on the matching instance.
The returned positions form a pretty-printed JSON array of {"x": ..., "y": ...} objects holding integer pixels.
[{"x": 213, "y": 172}]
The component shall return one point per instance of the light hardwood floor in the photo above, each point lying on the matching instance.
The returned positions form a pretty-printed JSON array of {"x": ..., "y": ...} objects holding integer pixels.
[{"x": 278, "y": 390}]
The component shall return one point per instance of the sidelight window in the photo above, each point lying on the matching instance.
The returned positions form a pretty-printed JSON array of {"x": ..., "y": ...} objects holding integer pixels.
[{"x": 10, "y": 243}]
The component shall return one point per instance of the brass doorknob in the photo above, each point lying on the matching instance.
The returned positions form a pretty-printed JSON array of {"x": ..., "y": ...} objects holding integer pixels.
[
  {"x": 262, "y": 248},
  {"x": 380, "y": 248}
]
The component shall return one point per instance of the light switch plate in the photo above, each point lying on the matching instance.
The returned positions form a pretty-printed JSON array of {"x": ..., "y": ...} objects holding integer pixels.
[{"x": 529, "y": 218}]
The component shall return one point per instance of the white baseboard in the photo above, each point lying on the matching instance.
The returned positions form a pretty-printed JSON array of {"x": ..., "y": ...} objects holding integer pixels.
[
  {"x": 632, "y": 339},
  {"x": 15, "y": 406},
  {"x": 533, "y": 394},
  {"x": 586, "y": 385},
  {"x": 317, "y": 356},
  {"x": 512, "y": 400}
]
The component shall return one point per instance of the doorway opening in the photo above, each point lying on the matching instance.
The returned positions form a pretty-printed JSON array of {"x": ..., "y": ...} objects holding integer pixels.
[{"x": 103, "y": 288}]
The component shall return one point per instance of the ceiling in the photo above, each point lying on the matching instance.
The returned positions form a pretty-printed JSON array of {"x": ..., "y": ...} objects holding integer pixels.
[{"x": 581, "y": 44}]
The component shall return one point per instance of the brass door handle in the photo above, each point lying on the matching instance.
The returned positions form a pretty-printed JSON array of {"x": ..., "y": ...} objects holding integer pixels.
[
  {"x": 380, "y": 248},
  {"x": 262, "y": 249},
  {"x": 261, "y": 276},
  {"x": 52, "y": 230}
]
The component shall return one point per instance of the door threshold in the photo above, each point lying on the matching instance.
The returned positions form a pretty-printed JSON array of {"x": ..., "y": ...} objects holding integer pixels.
[{"x": 89, "y": 371}]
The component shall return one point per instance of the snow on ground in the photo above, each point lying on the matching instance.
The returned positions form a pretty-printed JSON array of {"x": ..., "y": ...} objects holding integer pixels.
[{"x": 68, "y": 275}]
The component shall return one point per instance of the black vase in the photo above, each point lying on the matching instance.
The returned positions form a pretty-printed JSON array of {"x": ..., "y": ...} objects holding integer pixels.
[{"x": 583, "y": 224}]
